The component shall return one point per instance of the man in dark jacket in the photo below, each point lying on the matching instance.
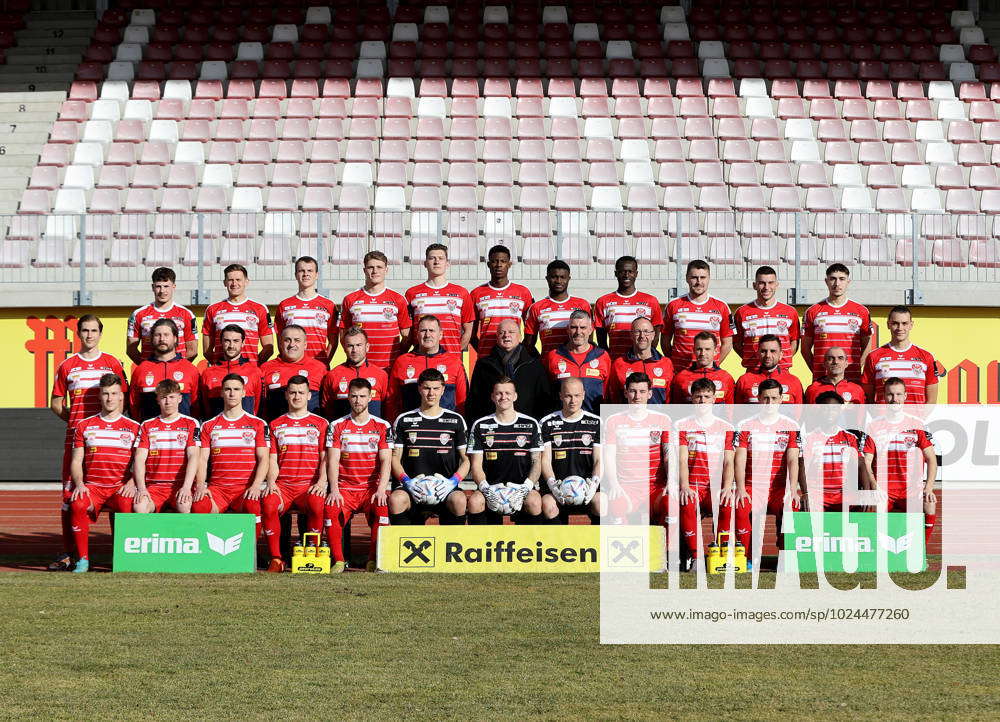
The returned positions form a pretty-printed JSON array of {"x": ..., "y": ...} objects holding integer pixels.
[{"x": 510, "y": 358}]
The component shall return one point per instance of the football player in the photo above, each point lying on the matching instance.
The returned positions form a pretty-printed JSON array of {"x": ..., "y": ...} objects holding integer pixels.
[
  {"x": 315, "y": 313},
  {"x": 251, "y": 316}
]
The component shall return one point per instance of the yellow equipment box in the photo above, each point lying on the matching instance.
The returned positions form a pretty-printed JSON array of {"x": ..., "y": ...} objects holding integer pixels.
[
  {"x": 718, "y": 555},
  {"x": 311, "y": 558}
]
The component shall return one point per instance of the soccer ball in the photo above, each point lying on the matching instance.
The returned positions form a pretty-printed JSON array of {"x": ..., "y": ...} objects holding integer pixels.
[
  {"x": 572, "y": 491},
  {"x": 506, "y": 498},
  {"x": 436, "y": 488}
]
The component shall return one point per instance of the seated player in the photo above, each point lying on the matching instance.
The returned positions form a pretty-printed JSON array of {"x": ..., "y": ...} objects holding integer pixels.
[
  {"x": 768, "y": 367},
  {"x": 335, "y": 388},
  {"x": 292, "y": 361},
  {"x": 101, "y": 467},
  {"x": 703, "y": 367},
  {"x": 429, "y": 441},
  {"x": 505, "y": 449},
  {"x": 167, "y": 455},
  {"x": 835, "y": 365},
  {"x": 766, "y": 462},
  {"x": 359, "y": 460},
  {"x": 404, "y": 394},
  {"x": 571, "y": 447},
  {"x": 231, "y": 361},
  {"x": 165, "y": 363},
  {"x": 705, "y": 455},
  {"x": 828, "y": 453},
  {"x": 580, "y": 359},
  {"x": 296, "y": 477}
]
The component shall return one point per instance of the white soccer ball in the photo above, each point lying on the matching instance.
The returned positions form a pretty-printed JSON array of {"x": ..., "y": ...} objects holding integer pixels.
[
  {"x": 506, "y": 498},
  {"x": 572, "y": 491}
]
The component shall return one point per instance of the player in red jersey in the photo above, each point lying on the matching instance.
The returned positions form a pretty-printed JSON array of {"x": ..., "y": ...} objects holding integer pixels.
[
  {"x": 829, "y": 452},
  {"x": 139, "y": 345},
  {"x": 902, "y": 451},
  {"x": 167, "y": 453},
  {"x": 404, "y": 395},
  {"x": 769, "y": 354},
  {"x": 548, "y": 318},
  {"x": 449, "y": 302},
  {"x": 766, "y": 457},
  {"x": 296, "y": 477},
  {"x": 499, "y": 299},
  {"x": 291, "y": 361},
  {"x": 642, "y": 356},
  {"x": 335, "y": 388},
  {"x": 579, "y": 358},
  {"x": 694, "y": 313},
  {"x": 902, "y": 360},
  {"x": 165, "y": 363},
  {"x": 234, "y": 462},
  {"x": 614, "y": 312},
  {"x": 704, "y": 367},
  {"x": 837, "y": 321},
  {"x": 380, "y": 311},
  {"x": 102, "y": 466},
  {"x": 75, "y": 396},
  {"x": 232, "y": 362},
  {"x": 766, "y": 315},
  {"x": 315, "y": 313},
  {"x": 835, "y": 365},
  {"x": 359, "y": 459},
  {"x": 251, "y": 316}
]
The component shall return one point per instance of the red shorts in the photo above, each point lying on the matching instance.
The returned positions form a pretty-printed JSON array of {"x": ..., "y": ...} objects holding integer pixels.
[
  {"x": 228, "y": 498},
  {"x": 897, "y": 502},
  {"x": 162, "y": 496},
  {"x": 703, "y": 499},
  {"x": 294, "y": 497},
  {"x": 775, "y": 500},
  {"x": 355, "y": 500},
  {"x": 106, "y": 497}
]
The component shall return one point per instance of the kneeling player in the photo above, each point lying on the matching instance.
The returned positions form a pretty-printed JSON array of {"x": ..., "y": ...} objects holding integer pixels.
[
  {"x": 358, "y": 463},
  {"x": 505, "y": 449},
  {"x": 429, "y": 443},
  {"x": 101, "y": 466},
  {"x": 571, "y": 447},
  {"x": 296, "y": 477},
  {"x": 166, "y": 455}
]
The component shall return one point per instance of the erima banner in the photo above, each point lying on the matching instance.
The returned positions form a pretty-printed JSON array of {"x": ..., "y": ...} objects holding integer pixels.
[
  {"x": 492, "y": 549},
  {"x": 185, "y": 543},
  {"x": 835, "y": 542}
]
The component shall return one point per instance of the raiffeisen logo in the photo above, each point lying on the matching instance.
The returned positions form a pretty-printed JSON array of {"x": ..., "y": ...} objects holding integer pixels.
[
  {"x": 157, "y": 544},
  {"x": 509, "y": 551},
  {"x": 830, "y": 543}
]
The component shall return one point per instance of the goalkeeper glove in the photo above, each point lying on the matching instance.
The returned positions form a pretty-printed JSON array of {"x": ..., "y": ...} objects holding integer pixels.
[{"x": 592, "y": 484}]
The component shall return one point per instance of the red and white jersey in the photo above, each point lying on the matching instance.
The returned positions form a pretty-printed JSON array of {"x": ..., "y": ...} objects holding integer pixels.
[
  {"x": 707, "y": 444},
  {"x": 359, "y": 446},
  {"x": 753, "y": 321},
  {"x": 898, "y": 450},
  {"x": 766, "y": 444},
  {"x": 684, "y": 319},
  {"x": 913, "y": 365},
  {"x": 142, "y": 319},
  {"x": 317, "y": 315},
  {"x": 639, "y": 437},
  {"x": 548, "y": 320},
  {"x": 843, "y": 326},
  {"x": 492, "y": 305},
  {"x": 451, "y": 305},
  {"x": 830, "y": 454},
  {"x": 77, "y": 382},
  {"x": 615, "y": 313},
  {"x": 168, "y": 442},
  {"x": 849, "y": 391},
  {"x": 108, "y": 441},
  {"x": 383, "y": 316},
  {"x": 298, "y": 444},
  {"x": 249, "y": 315},
  {"x": 234, "y": 444}
]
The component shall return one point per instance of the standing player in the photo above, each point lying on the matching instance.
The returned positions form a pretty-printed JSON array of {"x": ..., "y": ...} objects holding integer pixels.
[
  {"x": 167, "y": 453},
  {"x": 837, "y": 321},
  {"x": 232, "y": 362},
  {"x": 828, "y": 452},
  {"x": 291, "y": 361},
  {"x": 705, "y": 456},
  {"x": 835, "y": 365},
  {"x": 642, "y": 357},
  {"x": 902, "y": 360},
  {"x": 165, "y": 363},
  {"x": 404, "y": 380},
  {"x": 246, "y": 313},
  {"x": 359, "y": 459},
  {"x": 579, "y": 358},
  {"x": 548, "y": 318},
  {"x": 75, "y": 396},
  {"x": 336, "y": 389},
  {"x": 571, "y": 446},
  {"x": 296, "y": 477},
  {"x": 765, "y": 315},
  {"x": 448, "y": 302},
  {"x": 315, "y": 313},
  {"x": 380, "y": 311},
  {"x": 139, "y": 345},
  {"x": 696, "y": 312},
  {"x": 769, "y": 354},
  {"x": 427, "y": 441},
  {"x": 497, "y": 300},
  {"x": 505, "y": 448},
  {"x": 614, "y": 312},
  {"x": 101, "y": 468},
  {"x": 704, "y": 367}
]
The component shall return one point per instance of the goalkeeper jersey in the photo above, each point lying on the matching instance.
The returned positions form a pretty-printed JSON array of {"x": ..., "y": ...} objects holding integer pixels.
[
  {"x": 506, "y": 448},
  {"x": 430, "y": 444},
  {"x": 572, "y": 442}
]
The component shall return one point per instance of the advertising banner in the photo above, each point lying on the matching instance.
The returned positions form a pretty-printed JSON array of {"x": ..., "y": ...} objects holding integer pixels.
[
  {"x": 853, "y": 542},
  {"x": 185, "y": 543}
]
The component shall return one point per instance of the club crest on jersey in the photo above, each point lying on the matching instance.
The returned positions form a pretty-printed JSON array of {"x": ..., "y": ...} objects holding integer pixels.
[
  {"x": 917, "y": 368},
  {"x": 248, "y": 436},
  {"x": 342, "y": 385},
  {"x": 586, "y": 439},
  {"x": 150, "y": 379},
  {"x": 126, "y": 438},
  {"x": 654, "y": 436},
  {"x": 557, "y": 439},
  {"x": 642, "y": 312},
  {"x": 848, "y": 396},
  {"x": 372, "y": 443},
  {"x": 181, "y": 437},
  {"x": 312, "y": 435},
  {"x": 781, "y": 442},
  {"x": 782, "y": 326},
  {"x": 715, "y": 322},
  {"x": 412, "y": 436},
  {"x": 562, "y": 367},
  {"x": 304, "y": 372},
  {"x": 389, "y": 312},
  {"x": 371, "y": 380},
  {"x": 910, "y": 442},
  {"x": 275, "y": 377},
  {"x": 452, "y": 304},
  {"x": 410, "y": 371},
  {"x": 489, "y": 440},
  {"x": 522, "y": 440},
  {"x": 853, "y": 324},
  {"x": 250, "y": 318},
  {"x": 444, "y": 438},
  {"x": 515, "y": 307},
  {"x": 657, "y": 371},
  {"x": 594, "y": 363},
  {"x": 442, "y": 368}
]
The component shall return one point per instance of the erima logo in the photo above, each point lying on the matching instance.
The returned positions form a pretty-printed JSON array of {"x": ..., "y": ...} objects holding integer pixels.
[
  {"x": 828, "y": 543},
  {"x": 181, "y": 545}
]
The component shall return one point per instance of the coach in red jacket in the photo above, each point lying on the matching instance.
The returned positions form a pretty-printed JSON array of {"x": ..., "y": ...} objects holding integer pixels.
[
  {"x": 165, "y": 363},
  {"x": 579, "y": 358},
  {"x": 429, "y": 354},
  {"x": 642, "y": 358}
]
